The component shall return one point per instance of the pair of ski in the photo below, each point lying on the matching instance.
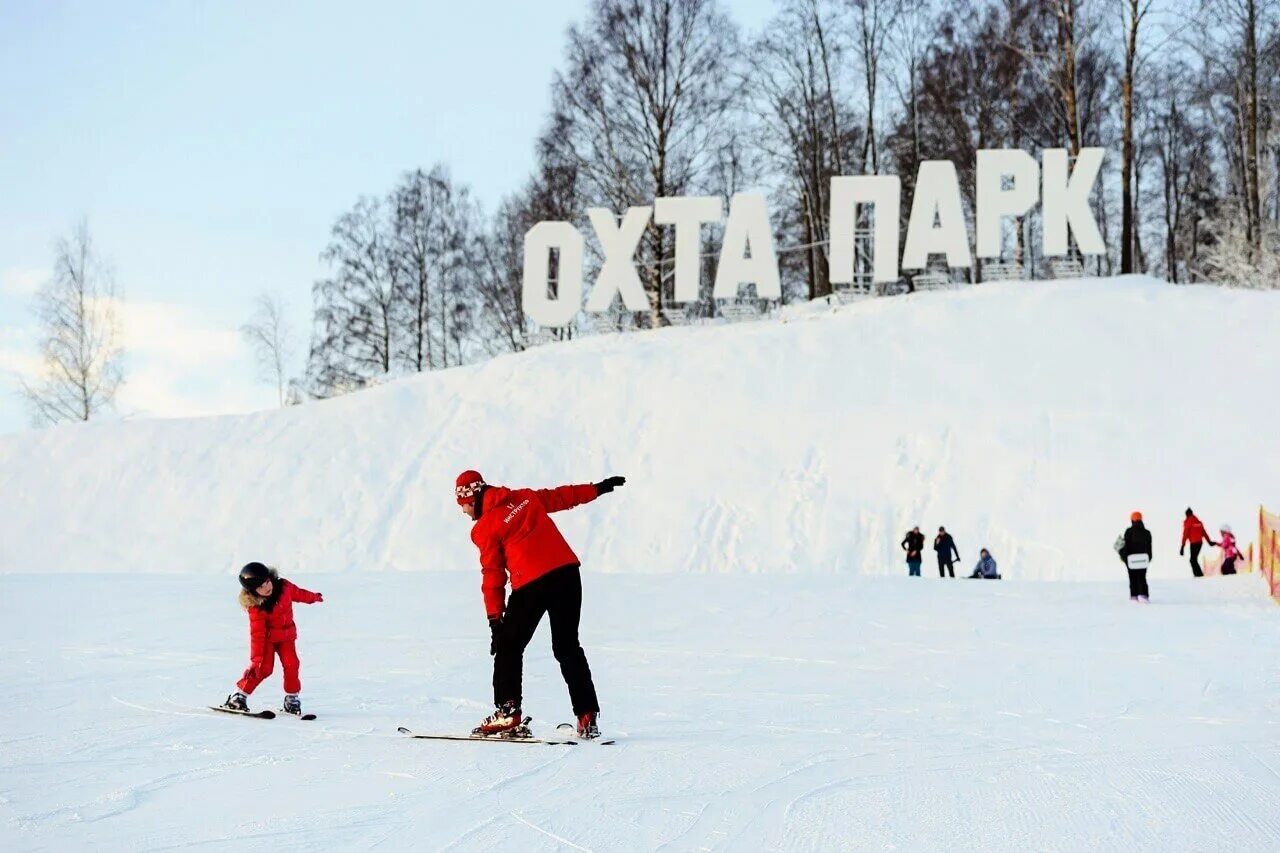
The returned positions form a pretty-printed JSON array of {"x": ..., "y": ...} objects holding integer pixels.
[
  {"x": 261, "y": 715},
  {"x": 569, "y": 740}
]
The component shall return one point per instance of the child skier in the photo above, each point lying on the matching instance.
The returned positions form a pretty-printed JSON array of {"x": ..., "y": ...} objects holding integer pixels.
[
  {"x": 1230, "y": 552},
  {"x": 516, "y": 536},
  {"x": 268, "y": 599}
]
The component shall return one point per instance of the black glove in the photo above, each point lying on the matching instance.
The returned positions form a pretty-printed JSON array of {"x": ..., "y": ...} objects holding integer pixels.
[
  {"x": 608, "y": 484},
  {"x": 495, "y": 630}
]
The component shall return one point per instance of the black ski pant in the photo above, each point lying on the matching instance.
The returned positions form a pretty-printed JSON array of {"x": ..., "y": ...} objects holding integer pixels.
[
  {"x": 945, "y": 567},
  {"x": 559, "y": 595},
  {"x": 1138, "y": 582},
  {"x": 1195, "y": 559},
  {"x": 1229, "y": 566}
]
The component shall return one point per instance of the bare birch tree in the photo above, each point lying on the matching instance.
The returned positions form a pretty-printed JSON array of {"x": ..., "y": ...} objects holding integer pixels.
[
  {"x": 82, "y": 357},
  {"x": 269, "y": 336}
]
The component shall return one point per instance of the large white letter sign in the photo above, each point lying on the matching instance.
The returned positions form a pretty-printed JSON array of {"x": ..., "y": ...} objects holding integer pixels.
[
  {"x": 1066, "y": 201},
  {"x": 747, "y": 227},
  {"x": 937, "y": 193},
  {"x": 883, "y": 191},
  {"x": 687, "y": 214},
  {"x": 618, "y": 272},
  {"x": 538, "y": 243},
  {"x": 994, "y": 202}
]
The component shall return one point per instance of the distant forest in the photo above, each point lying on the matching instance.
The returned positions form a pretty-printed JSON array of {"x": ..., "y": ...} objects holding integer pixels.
[{"x": 671, "y": 97}]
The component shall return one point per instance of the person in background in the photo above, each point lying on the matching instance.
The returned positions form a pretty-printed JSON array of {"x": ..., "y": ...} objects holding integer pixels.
[
  {"x": 945, "y": 547},
  {"x": 1193, "y": 533},
  {"x": 1134, "y": 547},
  {"x": 913, "y": 544},
  {"x": 1230, "y": 551},
  {"x": 986, "y": 567}
]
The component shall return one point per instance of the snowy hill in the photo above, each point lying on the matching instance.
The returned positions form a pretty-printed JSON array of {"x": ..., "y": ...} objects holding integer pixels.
[
  {"x": 1027, "y": 417},
  {"x": 793, "y": 705}
]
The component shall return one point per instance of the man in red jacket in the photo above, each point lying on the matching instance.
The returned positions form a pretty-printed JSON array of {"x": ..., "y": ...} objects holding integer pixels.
[
  {"x": 1193, "y": 532},
  {"x": 517, "y": 538}
]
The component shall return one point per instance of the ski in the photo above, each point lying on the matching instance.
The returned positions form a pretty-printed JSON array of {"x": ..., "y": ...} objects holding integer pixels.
[
  {"x": 298, "y": 716},
  {"x": 261, "y": 715},
  {"x": 574, "y": 734},
  {"x": 488, "y": 738}
]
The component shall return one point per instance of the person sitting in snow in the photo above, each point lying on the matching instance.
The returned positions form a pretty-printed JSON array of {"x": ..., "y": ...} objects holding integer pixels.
[
  {"x": 268, "y": 599},
  {"x": 986, "y": 567},
  {"x": 1230, "y": 551},
  {"x": 516, "y": 537}
]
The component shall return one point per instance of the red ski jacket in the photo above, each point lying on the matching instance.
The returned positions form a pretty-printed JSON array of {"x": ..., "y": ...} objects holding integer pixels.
[
  {"x": 516, "y": 535},
  {"x": 1193, "y": 531},
  {"x": 268, "y": 628}
]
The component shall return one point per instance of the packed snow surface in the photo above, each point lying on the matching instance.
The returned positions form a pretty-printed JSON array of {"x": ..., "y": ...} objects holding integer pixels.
[
  {"x": 752, "y": 712},
  {"x": 1027, "y": 417}
]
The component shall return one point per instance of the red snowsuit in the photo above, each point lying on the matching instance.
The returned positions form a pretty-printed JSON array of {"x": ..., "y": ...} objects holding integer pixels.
[
  {"x": 1193, "y": 531},
  {"x": 516, "y": 535},
  {"x": 271, "y": 633}
]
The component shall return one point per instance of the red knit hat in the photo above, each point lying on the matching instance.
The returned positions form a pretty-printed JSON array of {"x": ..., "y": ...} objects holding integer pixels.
[{"x": 468, "y": 486}]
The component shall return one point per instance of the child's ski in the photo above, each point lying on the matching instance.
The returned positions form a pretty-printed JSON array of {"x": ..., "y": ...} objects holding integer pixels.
[
  {"x": 299, "y": 716},
  {"x": 573, "y": 733},
  {"x": 261, "y": 715},
  {"x": 489, "y": 738}
]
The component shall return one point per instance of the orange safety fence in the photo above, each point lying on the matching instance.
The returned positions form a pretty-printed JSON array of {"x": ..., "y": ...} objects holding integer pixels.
[{"x": 1267, "y": 556}]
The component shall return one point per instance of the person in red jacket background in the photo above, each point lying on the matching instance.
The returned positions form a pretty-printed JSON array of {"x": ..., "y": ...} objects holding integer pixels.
[
  {"x": 518, "y": 541},
  {"x": 268, "y": 599},
  {"x": 1193, "y": 532}
]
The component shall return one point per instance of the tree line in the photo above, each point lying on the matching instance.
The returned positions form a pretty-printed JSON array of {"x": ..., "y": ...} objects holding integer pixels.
[{"x": 662, "y": 98}]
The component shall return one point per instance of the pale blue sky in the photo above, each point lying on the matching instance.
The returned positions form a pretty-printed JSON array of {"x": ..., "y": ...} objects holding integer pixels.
[{"x": 211, "y": 145}]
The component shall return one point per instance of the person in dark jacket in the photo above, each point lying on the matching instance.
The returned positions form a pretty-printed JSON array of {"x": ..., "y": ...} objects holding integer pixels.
[
  {"x": 913, "y": 544},
  {"x": 945, "y": 547},
  {"x": 1135, "y": 552}
]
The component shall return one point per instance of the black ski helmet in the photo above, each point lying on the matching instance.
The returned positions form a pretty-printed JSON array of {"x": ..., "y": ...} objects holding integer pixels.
[{"x": 254, "y": 575}]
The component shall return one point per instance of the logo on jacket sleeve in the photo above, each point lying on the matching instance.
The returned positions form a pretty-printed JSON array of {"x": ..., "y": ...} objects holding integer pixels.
[{"x": 515, "y": 510}]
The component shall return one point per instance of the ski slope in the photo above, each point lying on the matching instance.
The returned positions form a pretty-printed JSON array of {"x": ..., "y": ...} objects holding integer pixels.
[
  {"x": 753, "y": 712},
  {"x": 773, "y": 678},
  {"x": 1027, "y": 417}
]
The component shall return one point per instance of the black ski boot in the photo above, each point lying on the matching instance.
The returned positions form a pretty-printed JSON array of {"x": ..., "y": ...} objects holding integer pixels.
[
  {"x": 237, "y": 702},
  {"x": 292, "y": 704}
]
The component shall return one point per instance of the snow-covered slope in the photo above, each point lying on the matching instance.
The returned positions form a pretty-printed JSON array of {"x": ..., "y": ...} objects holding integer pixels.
[
  {"x": 1027, "y": 417},
  {"x": 752, "y": 713}
]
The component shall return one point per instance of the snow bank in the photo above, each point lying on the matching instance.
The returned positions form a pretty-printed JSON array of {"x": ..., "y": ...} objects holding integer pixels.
[{"x": 1026, "y": 417}]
